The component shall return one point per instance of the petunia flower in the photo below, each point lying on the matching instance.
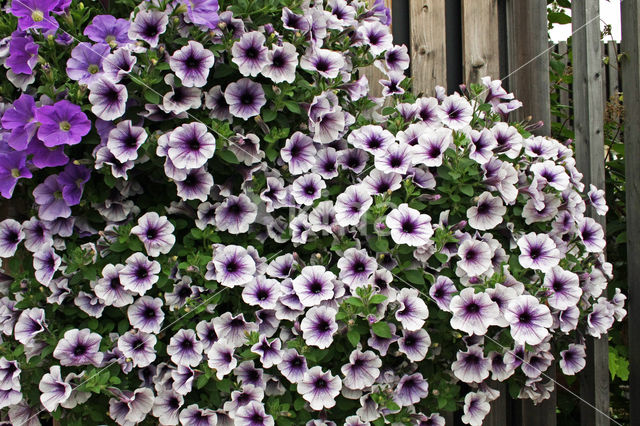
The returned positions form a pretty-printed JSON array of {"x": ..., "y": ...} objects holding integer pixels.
[
  {"x": 281, "y": 63},
  {"x": 253, "y": 414},
  {"x": 139, "y": 274},
  {"x": 475, "y": 257},
  {"x": 180, "y": 99},
  {"x": 307, "y": 188},
  {"x": 318, "y": 326},
  {"x": 184, "y": 348},
  {"x": 362, "y": 370},
  {"x": 108, "y": 99},
  {"x": 245, "y": 98},
  {"x": 139, "y": 346},
  {"x": 262, "y": 292},
  {"x": 156, "y": 233},
  {"x": 146, "y": 314},
  {"x": 414, "y": 344},
  {"x": 476, "y": 407},
  {"x": 455, "y": 112},
  {"x": 250, "y": 53},
  {"x": 20, "y": 119},
  {"x": 471, "y": 366},
  {"x": 191, "y": 64},
  {"x": 299, "y": 153},
  {"x": 411, "y": 389},
  {"x": 442, "y": 291},
  {"x": 166, "y": 407},
  {"x": 408, "y": 226},
  {"x": 538, "y": 251},
  {"x": 372, "y": 138},
  {"x": 529, "y": 319},
  {"x": 196, "y": 185},
  {"x": 79, "y": 347},
  {"x": 30, "y": 323},
  {"x": 356, "y": 267},
  {"x": 107, "y": 29},
  {"x": 234, "y": 266},
  {"x": 325, "y": 62},
  {"x": 319, "y": 388},
  {"x": 473, "y": 312},
  {"x": 12, "y": 168},
  {"x": 23, "y": 53},
  {"x": 54, "y": 389},
  {"x": 85, "y": 63},
  {"x": 148, "y": 25},
  {"x": 591, "y": 234},
  {"x": 431, "y": 146},
  {"x": 376, "y": 36},
  {"x": 412, "y": 311},
  {"x": 130, "y": 407},
  {"x": 204, "y": 12},
  {"x": 34, "y": 14},
  {"x": 11, "y": 235},
  {"x": 293, "y": 365},
  {"x": 573, "y": 359},
  {"x": 351, "y": 205},
  {"x": 235, "y": 214},
  {"x": 270, "y": 352},
  {"x": 487, "y": 213},
  {"x": 220, "y": 357},
  {"x": 233, "y": 329},
  {"x": 45, "y": 263},
  {"x": 62, "y": 123}
]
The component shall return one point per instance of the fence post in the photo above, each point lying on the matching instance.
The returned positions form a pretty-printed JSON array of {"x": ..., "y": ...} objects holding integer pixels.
[
  {"x": 630, "y": 68},
  {"x": 481, "y": 48},
  {"x": 589, "y": 143},
  {"x": 428, "y": 45}
]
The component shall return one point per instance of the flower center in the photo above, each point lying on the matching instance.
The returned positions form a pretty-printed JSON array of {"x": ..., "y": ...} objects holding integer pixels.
[
  {"x": 37, "y": 16},
  {"x": 525, "y": 317},
  {"x": 65, "y": 126},
  {"x": 57, "y": 195},
  {"x": 408, "y": 227},
  {"x": 192, "y": 63},
  {"x": 80, "y": 350},
  {"x": 149, "y": 313},
  {"x": 359, "y": 267},
  {"x": 321, "y": 384},
  {"x": 93, "y": 68},
  {"x": 15, "y": 173},
  {"x": 316, "y": 287},
  {"x": 473, "y": 308}
]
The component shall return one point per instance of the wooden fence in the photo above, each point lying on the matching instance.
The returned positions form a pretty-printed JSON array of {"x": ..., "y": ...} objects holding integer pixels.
[{"x": 459, "y": 41}]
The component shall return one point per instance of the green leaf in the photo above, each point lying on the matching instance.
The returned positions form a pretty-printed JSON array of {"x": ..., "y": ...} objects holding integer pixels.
[
  {"x": 268, "y": 115},
  {"x": 559, "y": 18},
  {"x": 377, "y": 298},
  {"x": 380, "y": 245},
  {"x": 354, "y": 337},
  {"x": 298, "y": 404},
  {"x": 414, "y": 276},
  {"x": 151, "y": 96},
  {"x": 292, "y": 106},
  {"x": 354, "y": 301},
  {"x": 381, "y": 329},
  {"x": 202, "y": 381},
  {"x": 227, "y": 156},
  {"x": 467, "y": 190}
]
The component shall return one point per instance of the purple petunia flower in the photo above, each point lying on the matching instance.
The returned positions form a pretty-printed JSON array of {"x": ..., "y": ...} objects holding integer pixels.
[
  {"x": 49, "y": 197},
  {"x": 43, "y": 156},
  {"x": 411, "y": 389},
  {"x": 108, "y": 99},
  {"x": 356, "y": 267},
  {"x": 250, "y": 53},
  {"x": 538, "y": 251},
  {"x": 313, "y": 285},
  {"x": 319, "y": 388},
  {"x": 19, "y": 118},
  {"x": 245, "y": 98},
  {"x": 351, "y": 205},
  {"x": 139, "y": 346},
  {"x": 62, "y": 123},
  {"x": 107, "y": 29},
  {"x": 148, "y": 25},
  {"x": 408, "y": 226},
  {"x": 572, "y": 359},
  {"x": 299, "y": 153},
  {"x": 281, "y": 63},
  {"x": 353, "y": 159},
  {"x": 12, "y": 168},
  {"x": 191, "y": 145},
  {"x": 79, "y": 347},
  {"x": 85, "y": 64},
  {"x": 185, "y": 349},
  {"x": 234, "y": 266},
  {"x": 376, "y": 36},
  {"x": 23, "y": 53},
  {"x": 146, "y": 314},
  {"x": 72, "y": 180},
  {"x": 471, "y": 366},
  {"x": 156, "y": 233},
  {"x": 362, "y": 370},
  {"x": 204, "y": 12},
  {"x": 139, "y": 274},
  {"x": 192, "y": 64},
  {"x": 34, "y": 14},
  {"x": 318, "y": 326},
  {"x": 412, "y": 311},
  {"x": 235, "y": 214},
  {"x": 473, "y": 312}
]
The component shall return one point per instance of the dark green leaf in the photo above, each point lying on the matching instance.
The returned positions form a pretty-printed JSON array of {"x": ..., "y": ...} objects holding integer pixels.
[{"x": 381, "y": 329}]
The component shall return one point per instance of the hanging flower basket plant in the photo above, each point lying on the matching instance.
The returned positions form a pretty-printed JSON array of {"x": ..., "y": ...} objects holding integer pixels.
[{"x": 211, "y": 221}]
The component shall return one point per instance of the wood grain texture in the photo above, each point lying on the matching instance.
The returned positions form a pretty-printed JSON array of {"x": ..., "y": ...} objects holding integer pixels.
[
  {"x": 612, "y": 68},
  {"x": 374, "y": 75},
  {"x": 528, "y": 56},
  {"x": 565, "y": 91},
  {"x": 630, "y": 69},
  {"x": 589, "y": 143},
  {"x": 499, "y": 414},
  {"x": 480, "y": 43},
  {"x": 428, "y": 45}
]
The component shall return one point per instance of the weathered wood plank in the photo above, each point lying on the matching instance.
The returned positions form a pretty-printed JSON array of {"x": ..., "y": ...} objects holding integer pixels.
[
  {"x": 498, "y": 416},
  {"x": 589, "y": 143},
  {"x": 630, "y": 69},
  {"x": 612, "y": 54},
  {"x": 543, "y": 414},
  {"x": 528, "y": 76},
  {"x": 374, "y": 74},
  {"x": 565, "y": 99},
  {"x": 428, "y": 45},
  {"x": 480, "y": 48}
]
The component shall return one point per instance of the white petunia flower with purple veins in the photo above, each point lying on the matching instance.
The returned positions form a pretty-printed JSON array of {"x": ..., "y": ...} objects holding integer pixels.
[
  {"x": 220, "y": 357},
  {"x": 530, "y": 320},
  {"x": 392, "y": 86},
  {"x": 601, "y": 318},
  {"x": 219, "y": 108},
  {"x": 319, "y": 388},
  {"x": 54, "y": 389},
  {"x": 262, "y": 292},
  {"x": 307, "y": 188},
  {"x": 414, "y": 344},
  {"x": 79, "y": 347},
  {"x": 376, "y": 36},
  {"x": 540, "y": 146},
  {"x": 552, "y": 174},
  {"x": 597, "y": 200},
  {"x": 408, "y": 226},
  {"x": 318, "y": 326},
  {"x": 548, "y": 211},
  {"x": 253, "y": 414},
  {"x": 36, "y": 235},
  {"x": 118, "y": 64},
  {"x": 148, "y": 26},
  {"x": 109, "y": 288},
  {"x": 473, "y": 312},
  {"x": 500, "y": 370},
  {"x": 245, "y": 98},
  {"x": 9, "y": 374},
  {"x": 196, "y": 185},
  {"x": 250, "y": 53},
  {"x": 293, "y": 365},
  {"x": 300, "y": 228},
  {"x": 396, "y": 158},
  {"x": 299, "y": 153},
  {"x": 156, "y": 233},
  {"x": 130, "y": 407},
  {"x": 191, "y": 64},
  {"x": 351, "y": 205},
  {"x": 538, "y": 251},
  {"x": 146, "y": 314},
  {"x": 59, "y": 291},
  {"x": 487, "y": 213},
  {"x": 29, "y": 324},
  {"x": 563, "y": 288},
  {"x": 475, "y": 257},
  {"x": 184, "y": 348},
  {"x": 166, "y": 406},
  {"x": 294, "y": 22},
  {"x": 235, "y": 214},
  {"x": 273, "y": 194},
  {"x": 476, "y": 407},
  {"x": 282, "y": 266},
  {"x": 326, "y": 163},
  {"x": 139, "y": 274},
  {"x": 108, "y": 99},
  {"x": 455, "y": 112},
  {"x": 11, "y": 234},
  {"x": 362, "y": 370},
  {"x": 124, "y": 140},
  {"x": 180, "y": 99},
  {"x": 270, "y": 352},
  {"x": 412, "y": 311},
  {"x": 471, "y": 366},
  {"x": 314, "y": 285},
  {"x": 379, "y": 182},
  {"x": 502, "y": 295},
  {"x": 573, "y": 359},
  {"x": 352, "y": 159},
  {"x": 325, "y": 62},
  {"x": 196, "y": 416},
  {"x": 281, "y": 63},
  {"x": 591, "y": 234},
  {"x": 431, "y": 146},
  {"x": 90, "y": 304},
  {"x": 12, "y": 397},
  {"x": 191, "y": 146},
  {"x": 442, "y": 291},
  {"x": 410, "y": 390},
  {"x": 233, "y": 329},
  {"x": 323, "y": 217},
  {"x": 372, "y": 138},
  {"x": 482, "y": 145},
  {"x": 139, "y": 347},
  {"x": 183, "y": 377},
  {"x": 45, "y": 263},
  {"x": 234, "y": 266},
  {"x": 206, "y": 334},
  {"x": 508, "y": 138},
  {"x": 356, "y": 267}
]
